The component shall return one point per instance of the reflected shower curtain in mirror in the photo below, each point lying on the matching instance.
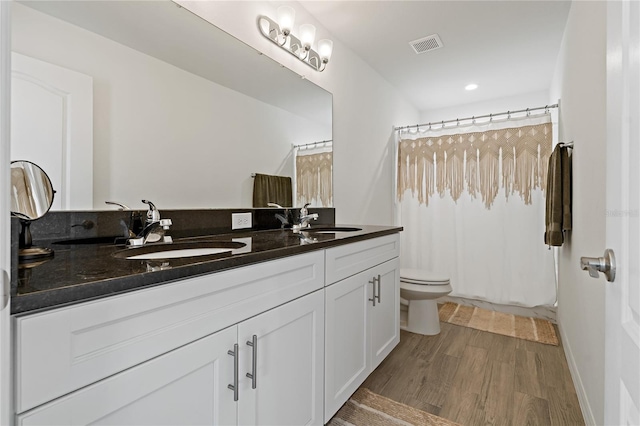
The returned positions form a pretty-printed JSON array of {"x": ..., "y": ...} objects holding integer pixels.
[
  {"x": 314, "y": 177},
  {"x": 471, "y": 200}
]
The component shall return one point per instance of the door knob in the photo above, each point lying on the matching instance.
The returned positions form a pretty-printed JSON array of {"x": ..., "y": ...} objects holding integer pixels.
[{"x": 606, "y": 265}]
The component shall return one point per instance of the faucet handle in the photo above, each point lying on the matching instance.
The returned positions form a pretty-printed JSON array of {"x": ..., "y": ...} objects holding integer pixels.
[
  {"x": 115, "y": 203},
  {"x": 153, "y": 215},
  {"x": 303, "y": 210}
]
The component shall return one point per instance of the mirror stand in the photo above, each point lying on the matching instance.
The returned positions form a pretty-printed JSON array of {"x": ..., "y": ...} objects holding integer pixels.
[{"x": 27, "y": 253}]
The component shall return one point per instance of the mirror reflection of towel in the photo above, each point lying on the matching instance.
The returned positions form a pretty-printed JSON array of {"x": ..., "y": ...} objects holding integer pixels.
[{"x": 272, "y": 189}]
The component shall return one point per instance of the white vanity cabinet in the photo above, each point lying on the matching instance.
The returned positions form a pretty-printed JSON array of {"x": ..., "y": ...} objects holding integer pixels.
[
  {"x": 282, "y": 342},
  {"x": 190, "y": 385},
  {"x": 66, "y": 352},
  {"x": 362, "y": 312}
]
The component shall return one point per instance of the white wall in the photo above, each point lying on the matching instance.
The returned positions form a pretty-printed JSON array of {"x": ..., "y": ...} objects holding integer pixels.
[
  {"x": 365, "y": 109},
  {"x": 161, "y": 133},
  {"x": 580, "y": 82},
  {"x": 511, "y": 103}
]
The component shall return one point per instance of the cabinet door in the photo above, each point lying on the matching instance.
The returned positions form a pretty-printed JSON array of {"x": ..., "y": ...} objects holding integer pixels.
[
  {"x": 289, "y": 367},
  {"x": 347, "y": 355},
  {"x": 384, "y": 319},
  {"x": 187, "y": 386}
]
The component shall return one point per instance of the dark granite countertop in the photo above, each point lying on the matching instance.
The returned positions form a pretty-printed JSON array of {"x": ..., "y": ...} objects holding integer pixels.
[{"x": 81, "y": 272}]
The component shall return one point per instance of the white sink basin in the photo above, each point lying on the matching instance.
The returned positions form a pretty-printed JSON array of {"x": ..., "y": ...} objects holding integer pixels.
[
  {"x": 178, "y": 250},
  {"x": 331, "y": 229},
  {"x": 175, "y": 254}
]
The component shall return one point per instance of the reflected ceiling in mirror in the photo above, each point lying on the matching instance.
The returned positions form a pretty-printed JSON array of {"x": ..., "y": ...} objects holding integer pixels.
[{"x": 183, "y": 113}]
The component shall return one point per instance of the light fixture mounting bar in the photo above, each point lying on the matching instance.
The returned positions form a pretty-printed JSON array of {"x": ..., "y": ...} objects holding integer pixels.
[{"x": 292, "y": 44}]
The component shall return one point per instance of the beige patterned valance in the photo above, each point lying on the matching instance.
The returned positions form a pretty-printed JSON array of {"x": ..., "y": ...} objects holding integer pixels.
[
  {"x": 514, "y": 159},
  {"x": 314, "y": 178}
]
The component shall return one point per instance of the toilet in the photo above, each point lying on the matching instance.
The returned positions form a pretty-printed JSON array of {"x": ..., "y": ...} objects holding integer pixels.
[{"x": 419, "y": 290}]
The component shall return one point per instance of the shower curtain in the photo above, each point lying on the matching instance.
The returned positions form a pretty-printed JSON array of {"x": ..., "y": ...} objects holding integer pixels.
[
  {"x": 314, "y": 176},
  {"x": 472, "y": 205}
]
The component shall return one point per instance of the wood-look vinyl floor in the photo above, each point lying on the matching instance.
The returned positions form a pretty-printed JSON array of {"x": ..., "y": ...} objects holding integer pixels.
[{"x": 475, "y": 377}]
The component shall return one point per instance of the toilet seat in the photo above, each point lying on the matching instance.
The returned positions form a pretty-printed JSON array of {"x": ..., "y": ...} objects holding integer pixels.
[
  {"x": 403, "y": 280},
  {"x": 420, "y": 291},
  {"x": 422, "y": 277}
]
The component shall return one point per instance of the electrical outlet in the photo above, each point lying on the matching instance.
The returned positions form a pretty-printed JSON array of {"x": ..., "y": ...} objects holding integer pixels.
[{"x": 240, "y": 220}]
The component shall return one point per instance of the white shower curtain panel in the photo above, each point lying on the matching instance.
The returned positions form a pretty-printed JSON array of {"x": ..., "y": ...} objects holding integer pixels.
[
  {"x": 497, "y": 254},
  {"x": 314, "y": 176}
]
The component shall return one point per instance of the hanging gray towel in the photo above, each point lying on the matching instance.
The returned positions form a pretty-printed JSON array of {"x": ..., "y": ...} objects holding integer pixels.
[
  {"x": 272, "y": 189},
  {"x": 558, "y": 203}
]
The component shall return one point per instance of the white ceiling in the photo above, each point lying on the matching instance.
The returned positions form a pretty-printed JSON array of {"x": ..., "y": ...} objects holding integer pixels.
[{"x": 506, "y": 47}]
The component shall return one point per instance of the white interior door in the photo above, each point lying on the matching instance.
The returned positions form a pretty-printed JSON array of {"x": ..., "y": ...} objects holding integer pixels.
[
  {"x": 5, "y": 235},
  {"x": 52, "y": 126},
  {"x": 622, "y": 352}
]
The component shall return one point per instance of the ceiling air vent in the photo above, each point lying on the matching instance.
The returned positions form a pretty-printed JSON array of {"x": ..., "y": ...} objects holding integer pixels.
[{"x": 426, "y": 44}]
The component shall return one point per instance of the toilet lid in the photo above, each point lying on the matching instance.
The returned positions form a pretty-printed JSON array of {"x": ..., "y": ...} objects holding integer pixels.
[{"x": 421, "y": 276}]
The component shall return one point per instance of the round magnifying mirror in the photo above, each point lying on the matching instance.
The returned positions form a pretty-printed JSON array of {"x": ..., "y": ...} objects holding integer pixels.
[{"x": 31, "y": 198}]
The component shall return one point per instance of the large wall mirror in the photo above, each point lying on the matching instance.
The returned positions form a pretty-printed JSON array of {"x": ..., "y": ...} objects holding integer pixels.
[{"x": 130, "y": 100}]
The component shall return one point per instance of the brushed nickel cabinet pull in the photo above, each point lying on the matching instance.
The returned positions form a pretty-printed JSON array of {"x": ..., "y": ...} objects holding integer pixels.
[
  {"x": 234, "y": 386},
  {"x": 254, "y": 361},
  {"x": 373, "y": 281}
]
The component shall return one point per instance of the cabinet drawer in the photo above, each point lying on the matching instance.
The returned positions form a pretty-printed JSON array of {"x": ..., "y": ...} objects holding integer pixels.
[
  {"x": 187, "y": 386},
  {"x": 344, "y": 261},
  {"x": 64, "y": 349}
]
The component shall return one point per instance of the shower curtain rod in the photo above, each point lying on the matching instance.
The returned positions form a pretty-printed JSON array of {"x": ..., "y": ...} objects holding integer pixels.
[
  {"x": 490, "y": 116},
  {"x": 305, "y": 145}
]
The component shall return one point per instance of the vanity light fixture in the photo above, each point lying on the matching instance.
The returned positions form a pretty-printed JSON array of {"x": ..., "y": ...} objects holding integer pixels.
[{"x": 302, "y": 46}]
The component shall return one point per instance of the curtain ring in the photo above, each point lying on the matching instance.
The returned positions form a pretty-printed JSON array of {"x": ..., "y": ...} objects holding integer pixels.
[
  {"x": 508, "y": 115},
  {"x": 473, "y": 120},
  {"x": 442, "y": 124},
  {"x": 490, "y": 117},
  {"x": 546, "y": 109},
  {"x": 457, "y": 121},
  {"x": 528, "y": 112}
]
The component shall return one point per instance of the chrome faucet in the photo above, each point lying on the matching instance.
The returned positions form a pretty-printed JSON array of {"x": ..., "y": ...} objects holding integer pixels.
[
  {"x": 135, "y": 221},
  {"x": 154, "y": 229},
  {"x": 304, "y": 218},
  {"x": 286, "y": 219}
]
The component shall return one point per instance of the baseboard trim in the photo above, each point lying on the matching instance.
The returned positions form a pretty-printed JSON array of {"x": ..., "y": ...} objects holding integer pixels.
[{"x": 585, "y": 407}]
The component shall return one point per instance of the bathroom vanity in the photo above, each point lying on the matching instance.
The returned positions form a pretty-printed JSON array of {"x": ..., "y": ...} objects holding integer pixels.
[{"x": 281, "y": 331}]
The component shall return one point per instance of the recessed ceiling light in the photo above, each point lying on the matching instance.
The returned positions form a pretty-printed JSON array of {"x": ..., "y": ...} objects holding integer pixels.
[{"x": 471, "y": 86}]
